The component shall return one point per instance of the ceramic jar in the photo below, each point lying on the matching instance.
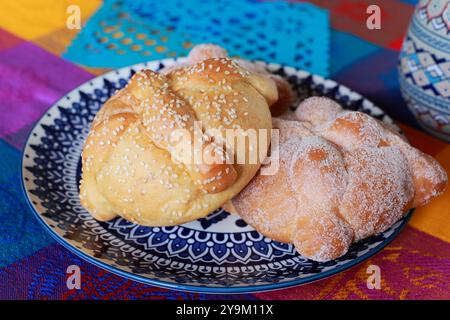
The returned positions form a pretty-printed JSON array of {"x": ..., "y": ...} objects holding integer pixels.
[{"x": 425, "y": 67}]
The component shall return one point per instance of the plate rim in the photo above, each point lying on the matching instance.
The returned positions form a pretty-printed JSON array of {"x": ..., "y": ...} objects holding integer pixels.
[{"x": 186, "y": 287}]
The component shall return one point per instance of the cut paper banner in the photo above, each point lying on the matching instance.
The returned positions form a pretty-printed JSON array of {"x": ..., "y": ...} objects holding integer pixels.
[{"x": 125, "y": 32}]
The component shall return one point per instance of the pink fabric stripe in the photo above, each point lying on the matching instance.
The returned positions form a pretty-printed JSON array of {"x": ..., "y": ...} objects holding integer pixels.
[
  {"x": 32, "y": 79},
  {"x": 414, "y": 266}
]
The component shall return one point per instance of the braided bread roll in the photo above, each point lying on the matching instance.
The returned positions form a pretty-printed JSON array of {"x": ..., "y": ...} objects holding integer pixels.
[
  {"x": 135, "y": 161},
  {"x": 343, "y": 176}
]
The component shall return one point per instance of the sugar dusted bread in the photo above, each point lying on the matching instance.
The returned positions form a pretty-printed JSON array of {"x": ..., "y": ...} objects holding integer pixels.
[{"x": 343, "y": 176}]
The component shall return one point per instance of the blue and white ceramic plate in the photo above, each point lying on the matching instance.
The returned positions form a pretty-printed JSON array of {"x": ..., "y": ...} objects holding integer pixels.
[{"x": 216, "y": 254}]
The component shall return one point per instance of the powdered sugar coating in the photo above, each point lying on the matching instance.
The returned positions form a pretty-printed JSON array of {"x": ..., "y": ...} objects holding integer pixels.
[
  {"x": 317, "y": 110},
  {"x": 205, "y": 51},
  {"x": 347, "y": 175},
  {"x": 379, "y": 190}
]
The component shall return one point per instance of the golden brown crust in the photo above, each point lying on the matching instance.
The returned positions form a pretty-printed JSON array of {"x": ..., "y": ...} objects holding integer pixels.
[
  {"x": 278, "y": 101},
  {"x": 286, "y": 96},
  {"x": 99, "y": 144},
  {"x": 162, "y": 113},
  {"x": 140, "y": 170},
  {"x": 344, "y": 175}
]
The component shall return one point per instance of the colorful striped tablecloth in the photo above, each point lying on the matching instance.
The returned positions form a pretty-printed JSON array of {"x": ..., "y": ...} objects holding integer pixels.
[{"x": 33, "y": 37}]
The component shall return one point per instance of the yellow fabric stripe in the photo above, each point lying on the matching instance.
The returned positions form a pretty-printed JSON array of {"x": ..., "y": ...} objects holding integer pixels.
[
  {"x": 30, "y": 19},
  {"x": 434, "y": 218}
]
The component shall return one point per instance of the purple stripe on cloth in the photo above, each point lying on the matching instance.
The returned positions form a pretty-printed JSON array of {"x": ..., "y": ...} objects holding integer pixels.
[
  {"x": 32, "y": 80},
  {"x": 43, "y": 276},
  {"x": 346, "y": 49},
  {"x": 17, "y": 139},
  {"x": 414, "y": 266}
]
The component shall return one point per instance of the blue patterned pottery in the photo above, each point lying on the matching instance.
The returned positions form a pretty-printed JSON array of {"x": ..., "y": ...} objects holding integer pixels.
[
  {"x": 217, "y": 254},
  {"x": 425, "y": 67}
]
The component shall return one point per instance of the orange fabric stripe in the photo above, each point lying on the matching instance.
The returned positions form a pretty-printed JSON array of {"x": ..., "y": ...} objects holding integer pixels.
[{"x": 434, "y": 217}]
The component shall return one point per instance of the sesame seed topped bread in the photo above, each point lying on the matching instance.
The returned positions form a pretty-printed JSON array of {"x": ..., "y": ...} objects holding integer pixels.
[
  {"x": 286, "y": 95},
  {"x": 134, "y": 167},
  {"x": 343, "y": 176}
]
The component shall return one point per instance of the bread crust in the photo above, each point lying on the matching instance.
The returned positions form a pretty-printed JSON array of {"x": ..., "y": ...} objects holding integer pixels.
[
  {"x": 285, "y": 95},
  {"x": 133, "y": 168},
  {"x": 343, "y": 176}
]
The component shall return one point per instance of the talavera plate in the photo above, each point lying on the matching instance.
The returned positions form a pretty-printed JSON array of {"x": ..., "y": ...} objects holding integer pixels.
[{"x": 216, "y": 254}]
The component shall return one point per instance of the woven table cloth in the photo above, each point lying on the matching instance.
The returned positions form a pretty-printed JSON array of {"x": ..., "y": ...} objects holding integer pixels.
[{"x": 40, "y": 61}]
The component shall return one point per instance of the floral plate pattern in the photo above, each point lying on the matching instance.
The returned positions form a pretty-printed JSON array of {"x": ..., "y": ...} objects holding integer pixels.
[{"x": 217, "y": 254}]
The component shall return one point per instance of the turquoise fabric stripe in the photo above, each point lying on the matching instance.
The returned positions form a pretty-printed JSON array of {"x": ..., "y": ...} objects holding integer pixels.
[{"x": 20, "y": 233}]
